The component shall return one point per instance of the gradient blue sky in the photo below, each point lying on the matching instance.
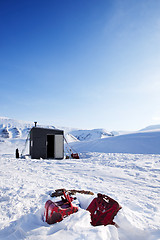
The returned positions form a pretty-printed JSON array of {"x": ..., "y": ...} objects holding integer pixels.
[{"x": 81, "y": 63}]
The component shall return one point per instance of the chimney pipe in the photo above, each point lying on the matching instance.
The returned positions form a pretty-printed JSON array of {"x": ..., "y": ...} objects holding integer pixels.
[{"x": 35, "y": 124}]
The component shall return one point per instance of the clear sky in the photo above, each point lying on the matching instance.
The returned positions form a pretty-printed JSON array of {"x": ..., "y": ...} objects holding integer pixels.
[{"x": 81, "y": 63}]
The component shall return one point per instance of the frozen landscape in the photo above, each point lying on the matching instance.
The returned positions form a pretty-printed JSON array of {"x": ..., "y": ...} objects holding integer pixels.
[{"x": 125, "y": 167}]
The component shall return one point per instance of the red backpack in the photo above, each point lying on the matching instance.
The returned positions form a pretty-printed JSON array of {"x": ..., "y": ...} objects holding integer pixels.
[{"x": 103, "y": 209}]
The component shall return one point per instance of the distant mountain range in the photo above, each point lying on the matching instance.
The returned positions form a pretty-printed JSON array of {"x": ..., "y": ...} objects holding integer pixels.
[
  {"x": 13, "y": 134},
  {"x": 10, "y": 128}
]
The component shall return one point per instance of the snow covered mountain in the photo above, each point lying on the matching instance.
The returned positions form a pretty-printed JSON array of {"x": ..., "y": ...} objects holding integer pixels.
[
  {"x": 88, "y": 135},
  {"x": 136, "y": 143},
  {"x": 97, "y": 140},
  {"x": 10, "y": 128},
  {"x": 151, "y": 127},
  {"x": 15, "y": 132}
]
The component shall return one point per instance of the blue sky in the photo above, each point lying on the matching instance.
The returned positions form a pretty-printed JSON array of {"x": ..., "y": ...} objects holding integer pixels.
[{"x": 81, "y": 63}]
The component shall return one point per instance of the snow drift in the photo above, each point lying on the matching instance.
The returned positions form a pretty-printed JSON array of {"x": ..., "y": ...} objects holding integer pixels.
[{"x": 136, "y": 143}]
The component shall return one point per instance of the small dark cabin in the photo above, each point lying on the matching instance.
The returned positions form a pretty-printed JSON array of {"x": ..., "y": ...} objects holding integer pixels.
[{"x": 46, "y": 143}]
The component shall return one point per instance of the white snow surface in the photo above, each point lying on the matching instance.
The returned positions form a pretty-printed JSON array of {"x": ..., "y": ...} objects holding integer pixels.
[{"x": 132, "y": 180}]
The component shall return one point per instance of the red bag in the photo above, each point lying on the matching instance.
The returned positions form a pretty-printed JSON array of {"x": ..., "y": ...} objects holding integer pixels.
[
  {"x": 56, "y": 211},
  {"x": 103, "y": 209},
  {"x": 75, "y": 155}
]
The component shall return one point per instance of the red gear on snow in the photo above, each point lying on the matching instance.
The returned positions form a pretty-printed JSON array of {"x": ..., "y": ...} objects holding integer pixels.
[
  {"x": 103, "y": 210},
  {"x": 56, "y": 211}
]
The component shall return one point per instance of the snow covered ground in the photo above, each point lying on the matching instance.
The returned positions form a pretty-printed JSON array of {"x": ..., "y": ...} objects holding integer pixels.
[
  {"x": 125, "y": 167},
  {"x": 132, "y": 180}
]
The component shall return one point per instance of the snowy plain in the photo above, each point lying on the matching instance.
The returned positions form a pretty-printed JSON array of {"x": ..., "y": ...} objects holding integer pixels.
[{"x": 131, "y": 179}]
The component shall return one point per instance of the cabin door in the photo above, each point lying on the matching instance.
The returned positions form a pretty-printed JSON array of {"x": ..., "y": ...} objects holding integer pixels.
[{"x": 50, "y": 146}]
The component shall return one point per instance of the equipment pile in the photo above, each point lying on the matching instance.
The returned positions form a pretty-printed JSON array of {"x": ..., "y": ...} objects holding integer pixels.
[{"x": 102, "y": 209}]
